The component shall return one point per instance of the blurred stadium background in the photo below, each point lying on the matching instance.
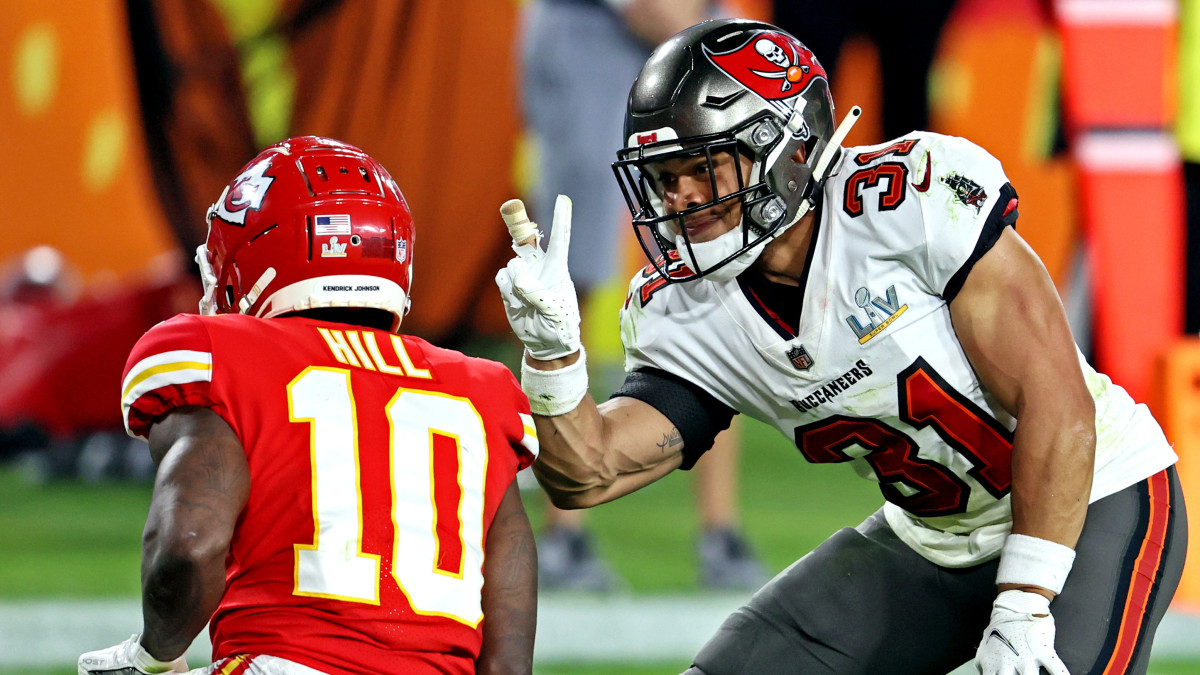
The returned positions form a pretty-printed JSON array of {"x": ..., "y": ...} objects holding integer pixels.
[{"x": 123, "y": 119}]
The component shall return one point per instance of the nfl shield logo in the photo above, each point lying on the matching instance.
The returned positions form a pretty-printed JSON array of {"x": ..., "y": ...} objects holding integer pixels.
[{"x": 800, "y": 358}]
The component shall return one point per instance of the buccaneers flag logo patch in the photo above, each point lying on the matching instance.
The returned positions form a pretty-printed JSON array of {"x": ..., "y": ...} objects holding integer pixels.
[{"x": 770, "y": 64}]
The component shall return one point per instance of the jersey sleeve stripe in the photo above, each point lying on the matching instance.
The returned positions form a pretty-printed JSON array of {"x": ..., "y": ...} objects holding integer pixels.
[
  {"x": 181, "y": 375},
  {"x": 199, "y": 360},
  {"x": 162, "y": 372},
  {"x": 204, "y": 371},
  {"x": 530, "y": 440}
]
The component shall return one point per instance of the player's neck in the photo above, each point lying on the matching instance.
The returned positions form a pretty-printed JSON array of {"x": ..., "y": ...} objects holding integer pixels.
[{"x": 782, "y": 261}]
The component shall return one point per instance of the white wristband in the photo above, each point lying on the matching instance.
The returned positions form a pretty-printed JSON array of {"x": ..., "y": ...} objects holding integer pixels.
[
  {"x": 555, "y": 392},
  {"x": 141, "y": 659},
  {"x": 1032, "y": 561}
]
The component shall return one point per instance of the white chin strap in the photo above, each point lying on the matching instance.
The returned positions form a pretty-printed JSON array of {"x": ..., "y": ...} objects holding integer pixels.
[
  {"x": 208, "y": 278},
  {"x": 710, "y": 253},
  {"x": 707, "y": 254}
]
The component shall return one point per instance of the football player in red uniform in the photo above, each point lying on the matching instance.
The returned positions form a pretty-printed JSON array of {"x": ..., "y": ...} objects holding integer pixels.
[
  {"x": 332, "y": 496},
  {"x": 876, "y": 305}
]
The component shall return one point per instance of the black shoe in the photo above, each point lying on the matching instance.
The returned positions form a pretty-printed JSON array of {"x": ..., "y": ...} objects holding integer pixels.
[
  {"x": 726, "y": 562},
  {"x": 566, "y": 561}
]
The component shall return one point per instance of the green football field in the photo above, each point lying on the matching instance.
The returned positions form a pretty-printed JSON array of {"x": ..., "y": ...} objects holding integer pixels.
[
  {"x": 72, "y": 540},
  {"x": 67, "y": 540}
]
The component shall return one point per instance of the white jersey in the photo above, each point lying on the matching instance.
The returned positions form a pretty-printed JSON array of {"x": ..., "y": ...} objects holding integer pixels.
[{"x": 876, "y": 376}]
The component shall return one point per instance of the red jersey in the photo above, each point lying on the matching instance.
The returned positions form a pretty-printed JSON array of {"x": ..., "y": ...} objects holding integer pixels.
[{"x": 377, "y": 462}]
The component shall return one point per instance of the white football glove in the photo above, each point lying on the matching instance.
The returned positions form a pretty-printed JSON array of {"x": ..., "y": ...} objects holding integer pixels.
[
  {"x": 539, "y": 296},
  {"x": 1017, "y": 641}
]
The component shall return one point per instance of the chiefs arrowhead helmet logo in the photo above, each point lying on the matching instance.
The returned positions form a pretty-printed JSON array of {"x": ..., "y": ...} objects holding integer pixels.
[
  {"x": 245, "y": 194},
  {"x": 773, "y": 65}
]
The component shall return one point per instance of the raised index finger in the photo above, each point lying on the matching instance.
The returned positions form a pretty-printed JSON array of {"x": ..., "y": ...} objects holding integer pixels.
[{"x": 560, "y": 239}]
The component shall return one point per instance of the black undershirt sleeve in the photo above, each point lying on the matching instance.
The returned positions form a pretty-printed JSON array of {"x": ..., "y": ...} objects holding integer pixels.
[
  {"x": 697, "y": 414},
  {"x": 999, "y": 218}
]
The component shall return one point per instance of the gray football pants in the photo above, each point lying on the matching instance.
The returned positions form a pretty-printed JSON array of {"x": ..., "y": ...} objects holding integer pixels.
[{"x": 864, "y": 602}]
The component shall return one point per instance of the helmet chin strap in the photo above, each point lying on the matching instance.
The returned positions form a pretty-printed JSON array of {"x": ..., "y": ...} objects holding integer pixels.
[
  {"x": 256, "y": 290},
  {"x": 704, "y": 255},
  {"x": 835, "y": 143},
  {"x": 208, "y": 279}
]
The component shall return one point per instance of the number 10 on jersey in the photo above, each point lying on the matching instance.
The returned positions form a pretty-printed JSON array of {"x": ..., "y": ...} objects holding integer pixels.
[{"x": 437, "y": 497}]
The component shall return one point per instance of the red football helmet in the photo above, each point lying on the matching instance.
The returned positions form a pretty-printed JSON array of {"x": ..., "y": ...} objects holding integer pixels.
[{"x": 310, "y": 222}]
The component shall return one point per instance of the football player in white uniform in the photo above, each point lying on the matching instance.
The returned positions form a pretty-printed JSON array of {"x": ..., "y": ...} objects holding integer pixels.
[{"x": 876, "y": 305}]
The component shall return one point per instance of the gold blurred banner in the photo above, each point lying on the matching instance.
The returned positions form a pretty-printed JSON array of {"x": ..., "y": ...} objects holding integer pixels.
[
  {"x": 426, "y": 87},
  {"x": 73, "y": 169}
]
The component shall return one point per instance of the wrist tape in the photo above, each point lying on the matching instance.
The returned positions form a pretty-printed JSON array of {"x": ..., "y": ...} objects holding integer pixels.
[
  {"x": 142, "y": 660},
  {"x": 555, "y": 392},
  {"x": 1032, "y": 561}
]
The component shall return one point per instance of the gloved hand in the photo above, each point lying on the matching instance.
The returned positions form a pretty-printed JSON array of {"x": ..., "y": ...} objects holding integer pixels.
[
  {"x": 1020, "y": 638},
  {"x": 539, "y": 297},
  {"x": 127, "y": 658}
]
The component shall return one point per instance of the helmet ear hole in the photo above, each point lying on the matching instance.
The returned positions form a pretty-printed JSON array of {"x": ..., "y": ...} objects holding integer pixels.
[
  {"x": 229, "y": 295},
  {"x": 764, "y": 133}
]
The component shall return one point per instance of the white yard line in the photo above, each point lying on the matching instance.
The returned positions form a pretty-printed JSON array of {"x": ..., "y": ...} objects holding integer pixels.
[{"x": 570, "y": 628}]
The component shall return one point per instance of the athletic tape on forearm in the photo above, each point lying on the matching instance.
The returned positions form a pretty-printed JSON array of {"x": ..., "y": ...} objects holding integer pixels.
[
  {"x": 555, "y": 392},
  {"x": 1032, "y": 561}
]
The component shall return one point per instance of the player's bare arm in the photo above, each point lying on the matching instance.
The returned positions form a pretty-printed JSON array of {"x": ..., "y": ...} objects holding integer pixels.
[
  {"x": 1011, "y": 324},
  {"x": 509, "y": 591},
  {"x": 202, "y": 484},
  {"x": 596, "y": 453}
]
